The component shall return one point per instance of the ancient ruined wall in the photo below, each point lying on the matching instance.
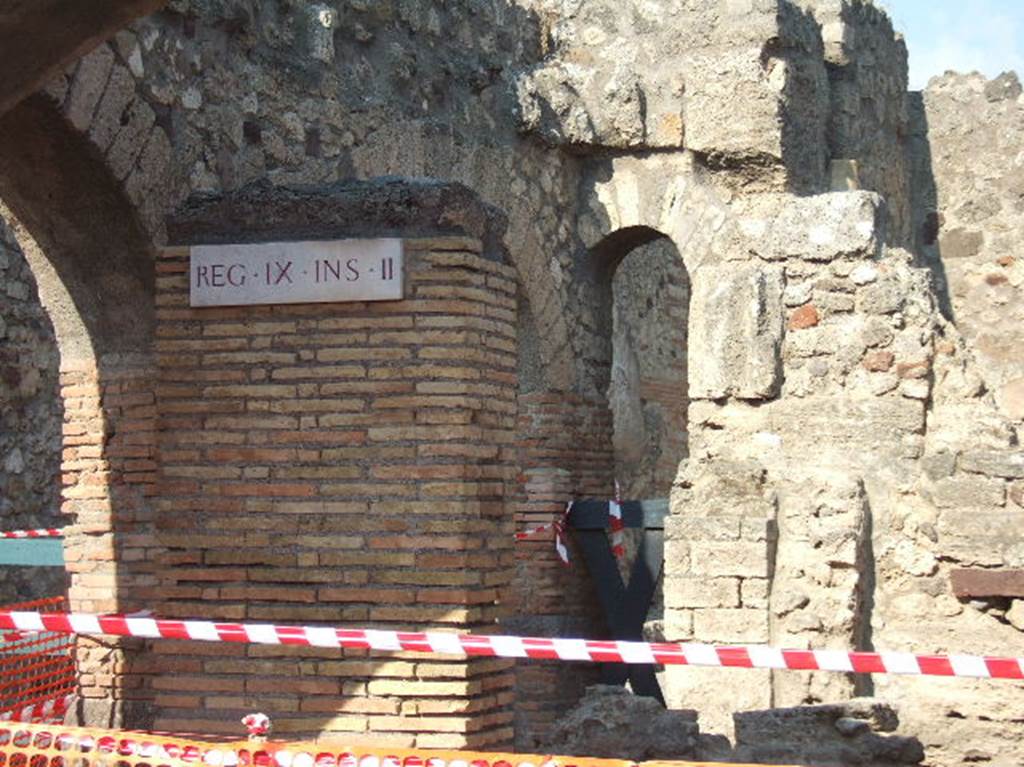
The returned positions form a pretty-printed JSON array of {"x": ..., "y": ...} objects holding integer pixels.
[
  {"x": 30, "y": 420},
  {"x": 866, "y": 63},
  {"x": 970, "y": 181},
  {"x": 746, "y": 86},
  {"x": 814, "y": 365},
  {"x": 830, "y": 514}
]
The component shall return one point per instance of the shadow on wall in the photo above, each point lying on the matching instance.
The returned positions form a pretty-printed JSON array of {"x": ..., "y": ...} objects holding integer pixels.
[
  {"x": 93, "y": 266},
  {"x": 926, "y": 220}
]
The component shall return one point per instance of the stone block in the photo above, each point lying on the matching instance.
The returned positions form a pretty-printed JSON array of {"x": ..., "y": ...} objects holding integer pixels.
[
  {"x": 746, "y": 560},
  {"x": 677, "y": 557},
  {"x": 1008, "y": 464},
  {"x": 882, "y": 297},
  {"x": 736, "y": 324},
  {"x": 818, "y": 424},
  {"x": 967, "y": 491},
  {"x": 755, "y": 592},
  {"x": 88, "y": 85},
  {"x": 717, "y": 693},
  {"x": 733, "y": 111},
  {"x": 757, "y": 529},
  {"x": 716, "y": 528},
  {"x": 1010, "y": 397},
  {"x": 688, "y": 593},
  {"x": 678, "y": 625},
  {"x": 939, "y": 464},
  {"x": 827, "y": 227},
  {"x": 742, "y": 626},
  {"x": 989, "y": 530}
]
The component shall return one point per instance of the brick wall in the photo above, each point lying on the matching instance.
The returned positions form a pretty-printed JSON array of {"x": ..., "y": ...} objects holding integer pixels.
[
  {"x": 345, "y": 464},
  {"x": 109, "y": 476},
  {"x": 565, "y": 452}
]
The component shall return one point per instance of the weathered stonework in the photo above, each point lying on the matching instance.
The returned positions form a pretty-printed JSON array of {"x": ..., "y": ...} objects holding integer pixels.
[
  {"x": 969, "y": 215},
  {"x": 844, "y": 287}
]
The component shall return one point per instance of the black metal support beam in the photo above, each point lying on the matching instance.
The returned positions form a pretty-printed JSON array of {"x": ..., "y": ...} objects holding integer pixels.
[{"x": 625, "y": 607}]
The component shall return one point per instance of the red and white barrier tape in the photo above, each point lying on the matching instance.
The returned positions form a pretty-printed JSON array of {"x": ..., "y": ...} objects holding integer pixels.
[
  {"x": 601, "y": 651},
  {"x": 559, "y": 528},
  {"x": 47, "y": 712},
  {"x": 616, "y": 525},
  {"x": 42, "y": 532}
]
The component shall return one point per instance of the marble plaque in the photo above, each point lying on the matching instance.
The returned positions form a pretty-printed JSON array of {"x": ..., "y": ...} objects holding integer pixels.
[{"x": 295, "y": 272}]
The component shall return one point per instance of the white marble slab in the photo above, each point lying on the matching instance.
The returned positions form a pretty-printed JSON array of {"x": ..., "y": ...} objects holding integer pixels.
[{"x": 296, "y": 272}]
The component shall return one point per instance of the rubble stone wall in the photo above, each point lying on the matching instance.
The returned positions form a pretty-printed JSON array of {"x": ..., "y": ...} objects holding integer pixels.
[
  {"x": 30, "y": 420},
  {"x": 866, "y": 63}
]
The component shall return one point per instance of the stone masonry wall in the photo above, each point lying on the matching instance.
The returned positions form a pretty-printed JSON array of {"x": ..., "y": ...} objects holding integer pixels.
[
  {"x": 970, "y": 214},
  {"x": 339, "y": 463},
  {"x": 867, "y": 74},
  {"x": 828, "y": 514},
  {"x": 30, "y": 420}
]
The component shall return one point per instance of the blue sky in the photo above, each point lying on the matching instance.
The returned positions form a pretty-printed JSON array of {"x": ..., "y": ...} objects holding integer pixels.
[{"x": 965, "y": 35}]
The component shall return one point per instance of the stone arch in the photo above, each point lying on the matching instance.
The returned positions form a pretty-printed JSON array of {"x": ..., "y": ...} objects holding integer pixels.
[
  {"x": 91, "y": 255},
  {"x": 98, "y": 99},
  {"x": 622, "y": 197}
]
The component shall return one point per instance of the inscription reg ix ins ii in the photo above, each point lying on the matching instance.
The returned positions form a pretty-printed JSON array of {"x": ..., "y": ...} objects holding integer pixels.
[{"x": 296, "y": 272}]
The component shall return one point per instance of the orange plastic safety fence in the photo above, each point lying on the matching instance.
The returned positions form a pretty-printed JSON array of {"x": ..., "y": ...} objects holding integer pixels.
[
  {"x": 37, "y": 669},
  {"x": 37, "y": 745}
]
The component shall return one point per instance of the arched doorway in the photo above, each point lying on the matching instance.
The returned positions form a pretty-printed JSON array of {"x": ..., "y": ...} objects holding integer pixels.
[
  {"x": 643, "y": 292},
  {"x": 93, "y": 263},
  {"x": 647, "y": 390}
]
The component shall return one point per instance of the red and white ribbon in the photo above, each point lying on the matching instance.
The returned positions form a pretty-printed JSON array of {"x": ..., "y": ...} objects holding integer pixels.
[
  {"x": 257, "y": 724},
  {"x": 602, "y": 651},
  {"x": 42, "y": 532},
  {"x": 615, "y": 524},
  {"x": 558, "y": 526},
  {"x": 47, "y": 712}
]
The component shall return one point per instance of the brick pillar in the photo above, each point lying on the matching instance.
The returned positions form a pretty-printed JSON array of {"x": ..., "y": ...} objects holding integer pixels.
[
  {"x": 344, "y": 463},
  {"x": 108, "y": 474}
]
